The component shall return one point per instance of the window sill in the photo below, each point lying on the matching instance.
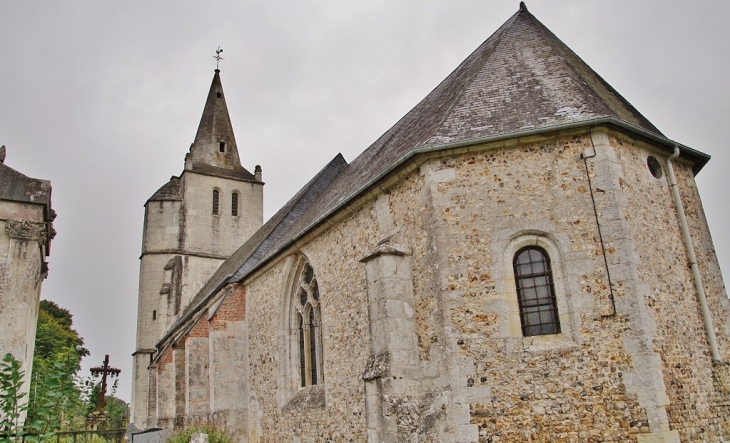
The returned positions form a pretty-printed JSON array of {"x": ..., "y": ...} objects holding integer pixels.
[
  {"x": 542, "y": 344},
  {"x": 310, "y": 397}
]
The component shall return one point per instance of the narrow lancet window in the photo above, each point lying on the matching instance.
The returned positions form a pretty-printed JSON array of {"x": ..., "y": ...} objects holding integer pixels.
[
  {"x": 302, "y": 354},
  {"x": 234, "y": 204},
  {"x": 306, "y": 327},
  {"x": 215, "y": 201},
  {"x": 536, "y": 292},
  {"x": 313, "y": 346},
  {"x": 222, "y": 146}
]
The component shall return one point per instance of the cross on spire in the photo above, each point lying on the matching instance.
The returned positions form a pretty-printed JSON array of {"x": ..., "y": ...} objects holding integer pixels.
[
  {"x": 104, "y": 371},
  {"x": 218, "y": 57}
]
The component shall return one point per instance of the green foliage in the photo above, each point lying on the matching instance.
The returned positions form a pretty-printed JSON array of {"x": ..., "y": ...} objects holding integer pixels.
[
  {"x": 58, "y": 396},
  {"x": 214, "y": 435},
  {"x": 12, "y": 406},
  {"x": 117, "y": 413},
  {"x": 54, "y": 333}
]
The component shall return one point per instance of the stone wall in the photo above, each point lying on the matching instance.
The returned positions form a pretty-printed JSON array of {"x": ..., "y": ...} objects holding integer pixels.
[
  {"x": 296, "y": 414},
  {"x": 422, "y": 337},
  {"x": 565, "y": 386},
  {"x": 22, "y": 270},
  {"x": 695, "y": 407},
  {"x": 228, "y": 363},
  {"x": 220, "y": 234}
]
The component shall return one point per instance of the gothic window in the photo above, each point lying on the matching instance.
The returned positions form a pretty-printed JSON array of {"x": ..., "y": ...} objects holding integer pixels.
[
  {"x": 234, "y": 204},
  {"x": 306, "y": 328},
  {"x": 535, "y": 292},
  {"x": 215, "y": 201},
  {"x": 222, "y": 146}
]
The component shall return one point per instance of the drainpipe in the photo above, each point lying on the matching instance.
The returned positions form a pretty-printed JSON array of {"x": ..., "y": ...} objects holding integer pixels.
[{"x": 692, "y": 257}]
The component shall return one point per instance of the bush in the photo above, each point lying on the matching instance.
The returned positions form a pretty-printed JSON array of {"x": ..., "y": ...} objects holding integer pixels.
[{"x": 214, "y": 435}]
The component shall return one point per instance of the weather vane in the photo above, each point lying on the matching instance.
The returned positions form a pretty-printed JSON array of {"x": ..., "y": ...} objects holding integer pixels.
[{"x": 218, "y": 57}]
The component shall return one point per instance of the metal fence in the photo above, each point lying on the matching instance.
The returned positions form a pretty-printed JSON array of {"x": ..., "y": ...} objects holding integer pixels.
[{"x": 99, "y": 436}]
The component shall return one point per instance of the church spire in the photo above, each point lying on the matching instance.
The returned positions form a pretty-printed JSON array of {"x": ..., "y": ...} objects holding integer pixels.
[{"x": 214, "y": 150}]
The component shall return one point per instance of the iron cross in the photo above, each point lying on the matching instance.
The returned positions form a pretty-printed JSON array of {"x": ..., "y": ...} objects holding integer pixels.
[{"x": 104, "y": 371}]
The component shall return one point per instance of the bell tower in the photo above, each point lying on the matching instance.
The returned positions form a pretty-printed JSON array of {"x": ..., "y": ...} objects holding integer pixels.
[{"x": 192, "y": 224}]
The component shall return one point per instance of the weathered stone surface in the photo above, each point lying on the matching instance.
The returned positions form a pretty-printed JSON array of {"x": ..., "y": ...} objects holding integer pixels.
[{"x": 26, "y": 230}]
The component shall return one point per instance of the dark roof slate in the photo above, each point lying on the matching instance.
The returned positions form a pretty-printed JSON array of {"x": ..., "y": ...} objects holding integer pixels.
[
  {"x": 256, "y": 247},
  {"x": 522, "y": 77}
]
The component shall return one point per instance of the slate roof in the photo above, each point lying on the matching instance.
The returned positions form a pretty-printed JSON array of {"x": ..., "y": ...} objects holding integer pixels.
[
  {"x": 274, "y": 229},
  {"x": 170, "y": 191},
  {"x": 522, "y": 78},
  {"x": 520, "y": 81}
]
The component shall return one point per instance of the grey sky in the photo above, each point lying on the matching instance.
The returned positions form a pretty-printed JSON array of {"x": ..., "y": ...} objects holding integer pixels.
[{"x": 104, "y": 98}]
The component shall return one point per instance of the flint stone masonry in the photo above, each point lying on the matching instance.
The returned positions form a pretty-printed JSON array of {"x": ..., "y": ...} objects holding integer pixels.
[{"x": 439, "y": 355}]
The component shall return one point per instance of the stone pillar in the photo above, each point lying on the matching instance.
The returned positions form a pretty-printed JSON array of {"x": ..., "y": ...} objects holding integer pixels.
[
  {"x": 21, "y": 272},
  {"x": 392, "y": 376},
  {"x": 141, "y": 387},
  {"x": 196, "y": 358},
  {"x": 178, "y": 357},
  {"x": 164, "y": 391}
]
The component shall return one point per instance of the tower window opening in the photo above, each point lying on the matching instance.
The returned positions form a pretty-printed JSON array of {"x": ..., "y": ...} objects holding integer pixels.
[
  {"x": 222, "y": 146},
  {"x": 234, "y": 204},
  {"x": 535, "y": 292},
  {"x": 154, "y": 315},
  {"x": 215, "y": 202},
  {"x": 218, "y": 95}
]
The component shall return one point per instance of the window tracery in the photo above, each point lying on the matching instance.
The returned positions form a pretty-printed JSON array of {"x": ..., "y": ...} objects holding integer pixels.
[{"x": 306, "y": 324}]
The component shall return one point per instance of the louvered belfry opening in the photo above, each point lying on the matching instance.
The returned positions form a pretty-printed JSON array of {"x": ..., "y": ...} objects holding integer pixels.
[{"x": 216, "y": 198}]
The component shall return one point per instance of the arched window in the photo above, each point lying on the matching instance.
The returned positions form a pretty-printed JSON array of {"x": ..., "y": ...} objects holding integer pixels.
[
  {"x": 306, "y": 324},
  {"x": 535, "y": 292},
  {"x": 234, "y": 204},
  {"x": 215, "y": 201}
]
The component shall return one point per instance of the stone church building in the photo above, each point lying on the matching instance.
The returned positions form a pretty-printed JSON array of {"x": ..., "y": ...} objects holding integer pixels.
[{"x": 522, "y": 257}]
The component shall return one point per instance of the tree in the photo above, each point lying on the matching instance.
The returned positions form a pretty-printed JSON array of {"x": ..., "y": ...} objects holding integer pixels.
[{"x": 61, "y": 401}]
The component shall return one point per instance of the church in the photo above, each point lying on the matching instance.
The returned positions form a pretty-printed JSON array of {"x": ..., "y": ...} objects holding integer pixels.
[{"x": 522, "y": 257}]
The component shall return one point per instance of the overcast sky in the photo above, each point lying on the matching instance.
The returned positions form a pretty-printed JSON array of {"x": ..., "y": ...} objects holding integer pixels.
[{"x": 104, "y": 98}]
